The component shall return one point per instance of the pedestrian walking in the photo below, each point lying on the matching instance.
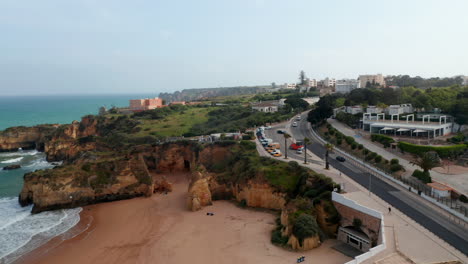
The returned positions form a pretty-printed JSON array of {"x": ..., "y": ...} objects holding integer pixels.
[{"x": 389, "y": 210}]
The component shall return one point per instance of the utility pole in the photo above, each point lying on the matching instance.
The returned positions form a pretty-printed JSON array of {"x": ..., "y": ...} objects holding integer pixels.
[{"x": 370, "y": 183}]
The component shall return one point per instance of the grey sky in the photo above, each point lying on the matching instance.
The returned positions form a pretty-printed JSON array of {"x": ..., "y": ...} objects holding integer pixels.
[{"x": 113, "y": 46}]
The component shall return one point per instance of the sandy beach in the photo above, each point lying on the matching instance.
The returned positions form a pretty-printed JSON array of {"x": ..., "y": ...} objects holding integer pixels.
[{"x": 160, "y": 229}]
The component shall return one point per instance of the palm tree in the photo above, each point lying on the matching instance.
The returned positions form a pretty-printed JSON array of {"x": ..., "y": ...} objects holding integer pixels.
[
  {"x": 427, "y": 161},
  {"x": 286, "y": 136},
  {"x": 329, "y": 148},
  {"x": 306, "y": 141}
]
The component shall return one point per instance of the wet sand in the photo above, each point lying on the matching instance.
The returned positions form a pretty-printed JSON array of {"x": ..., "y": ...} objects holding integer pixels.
[{"x": 160, "y": 229}]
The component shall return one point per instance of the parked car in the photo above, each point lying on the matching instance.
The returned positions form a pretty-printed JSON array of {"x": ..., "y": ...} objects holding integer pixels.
[
  {"x": 268, "y": 127},
  {"x": 340, "y": 159},
  {"x": 280, "y": 131},
  {"x": 300, "y": 150},
  {"x": 277, "y": 154}
]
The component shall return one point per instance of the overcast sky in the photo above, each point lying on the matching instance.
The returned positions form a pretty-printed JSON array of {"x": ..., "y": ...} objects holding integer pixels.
[{"x": 116, "y": 46}]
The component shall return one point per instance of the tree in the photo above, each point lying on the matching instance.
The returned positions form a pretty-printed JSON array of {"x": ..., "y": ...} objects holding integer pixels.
[
  {"x": 302, "y": 78},
  {"x": 286, "y": 136},
  {"x": 427, "y": 161},
  {"x": 306, "y": 141},
  {"x": 305, "y": 226},
  {"x": 329, "y": 148}
]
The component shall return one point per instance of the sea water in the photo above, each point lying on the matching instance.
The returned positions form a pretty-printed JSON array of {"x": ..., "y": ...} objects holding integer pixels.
[{"x": 21, "y": 231}]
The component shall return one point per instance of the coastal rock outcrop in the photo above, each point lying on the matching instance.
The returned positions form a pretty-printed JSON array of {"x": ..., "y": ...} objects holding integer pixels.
[
  {"x": 307, "y": 243},
  {"x": 112, "y": 178},
  {"x": 13, "y": 138},
  {"x": 12, "y": 167},
  {"x": 199, "y": 194}
]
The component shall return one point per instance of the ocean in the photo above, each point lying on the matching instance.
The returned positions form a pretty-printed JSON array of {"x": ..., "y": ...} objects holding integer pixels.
[{"x": 20, "y": 231}]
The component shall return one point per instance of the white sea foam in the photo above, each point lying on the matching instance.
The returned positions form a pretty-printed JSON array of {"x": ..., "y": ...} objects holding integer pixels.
[
  {"x": 21, "y": 231},
  {"x": 12, "y": 160},
  {"x": 19, "y": 153}
]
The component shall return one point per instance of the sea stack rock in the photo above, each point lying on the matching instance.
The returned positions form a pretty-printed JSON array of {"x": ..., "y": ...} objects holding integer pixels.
[{"x": 12, "y": 167}]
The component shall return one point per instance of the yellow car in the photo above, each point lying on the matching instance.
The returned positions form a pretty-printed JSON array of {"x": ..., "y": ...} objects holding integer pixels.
[{"x": 277, "y": 154}]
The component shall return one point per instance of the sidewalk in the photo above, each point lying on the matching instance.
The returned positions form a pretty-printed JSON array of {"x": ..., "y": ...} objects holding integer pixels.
[
  {"x": 458, "y": 182},
  {"x": 406, "y": 240}
]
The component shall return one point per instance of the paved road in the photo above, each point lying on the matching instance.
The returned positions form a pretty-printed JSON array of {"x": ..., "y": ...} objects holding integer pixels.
[{"x": 403, "y": 200}]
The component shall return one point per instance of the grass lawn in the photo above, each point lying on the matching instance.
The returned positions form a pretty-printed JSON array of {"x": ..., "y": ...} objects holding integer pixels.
[{"x": 175, "y": 124}]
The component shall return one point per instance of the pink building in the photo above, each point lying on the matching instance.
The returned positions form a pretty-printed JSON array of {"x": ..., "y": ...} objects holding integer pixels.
[{"x": 145, "y": 104}]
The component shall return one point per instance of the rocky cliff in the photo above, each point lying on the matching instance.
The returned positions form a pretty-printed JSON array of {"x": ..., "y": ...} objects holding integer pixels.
[
  {"x": 34, "y": 137},
  {"x": 86, "y": 182}
]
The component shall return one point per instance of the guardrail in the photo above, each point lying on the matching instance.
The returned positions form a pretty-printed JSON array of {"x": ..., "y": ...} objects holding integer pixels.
[{"x": 461, "y": 216}]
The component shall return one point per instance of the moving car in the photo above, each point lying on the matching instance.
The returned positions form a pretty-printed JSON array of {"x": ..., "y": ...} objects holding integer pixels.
[
  {"x": 297, "y": 145},
  {"x": 300, "y": 150},
  {"x": 280, "y": 131},
  {"x": 268, "y": 127},
  {"x": 294, "y": 124},
  {"x": 340, "y": 159},
  {"x": 298, "y": 118}
]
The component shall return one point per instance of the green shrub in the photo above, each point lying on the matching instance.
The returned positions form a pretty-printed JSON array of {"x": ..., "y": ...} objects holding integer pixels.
[
  {"x": 354, "y": 145},
  {"x": 422, "y": 176},
  {"x": 378, "y": 158},
  {"x": 277, "y": 238},
  {"x": 349, "y": 140},
  {"x": 395, "y": 167},
  {"x": 357, "y": 223},
  {"x": 305, "y": 226},
  {"x": 360, "y": 146},
  {"x": 339, "y": 141},
  {"x": 463, "y": 198},
  {"x": 331, "y": 131},
  {"x": 395, "y": 161},
  {"x": 443, "y": 151},
  {"x": 365, "y": 151},
  {"x": 383, "y": 139}
]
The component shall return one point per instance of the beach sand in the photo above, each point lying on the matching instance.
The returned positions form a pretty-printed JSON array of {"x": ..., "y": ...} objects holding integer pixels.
[{"x": 160, "y": 229}]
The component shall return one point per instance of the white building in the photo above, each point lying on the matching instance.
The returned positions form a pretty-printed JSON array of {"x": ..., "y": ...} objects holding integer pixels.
[
  {"x": 408, "y": 127},
  {"x": 290, "y": 86},
  {"x": 465, "y": 80},
  {"x": 399, "y": 109},
  {"x": 372, "y": 109},
  {"x": 356, "y": 109},
  {"x": 346, "y": 85},
  {"x": 313, "y": 82},
  {"x": 267, "y": 106},
  {"x": 376, "y": 79},
  {"x": 329, "y": 82}
]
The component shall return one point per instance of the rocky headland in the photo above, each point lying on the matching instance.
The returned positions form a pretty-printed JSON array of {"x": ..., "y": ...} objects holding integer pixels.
[{"x": 103, "y": 162}]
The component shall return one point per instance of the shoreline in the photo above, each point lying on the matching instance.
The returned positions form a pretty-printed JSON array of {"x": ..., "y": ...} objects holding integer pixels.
[{"x": 160, "y": 229}]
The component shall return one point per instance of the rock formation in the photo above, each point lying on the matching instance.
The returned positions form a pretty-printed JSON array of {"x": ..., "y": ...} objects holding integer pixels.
[
  {"x": 12, "y": 167},
  {"x": 34, "y": 137}
]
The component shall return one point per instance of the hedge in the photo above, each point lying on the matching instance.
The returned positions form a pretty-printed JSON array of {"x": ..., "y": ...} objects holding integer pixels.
[
  {"x": 383, "y": 139},
  {"x": 444, "y": 151}
]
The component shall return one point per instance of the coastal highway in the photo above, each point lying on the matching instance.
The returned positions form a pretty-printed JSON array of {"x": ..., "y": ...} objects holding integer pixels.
[{"x": 409, "y": 204}]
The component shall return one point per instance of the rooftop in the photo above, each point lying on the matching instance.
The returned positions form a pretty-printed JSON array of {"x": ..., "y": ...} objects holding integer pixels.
[{"x": 439, "y": 186}]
